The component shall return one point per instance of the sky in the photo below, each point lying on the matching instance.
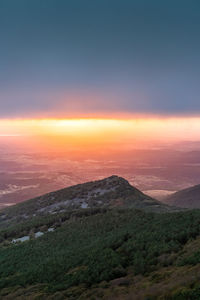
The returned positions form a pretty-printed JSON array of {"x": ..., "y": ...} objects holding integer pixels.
[{"x": 99, "y": 58}]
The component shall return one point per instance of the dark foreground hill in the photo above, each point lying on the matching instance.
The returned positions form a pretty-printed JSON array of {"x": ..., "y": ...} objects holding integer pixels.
[
  {"x": 103, "y": 254},
  {"x": 187, "y": 198},
  {"x": 110, "y": 192}
]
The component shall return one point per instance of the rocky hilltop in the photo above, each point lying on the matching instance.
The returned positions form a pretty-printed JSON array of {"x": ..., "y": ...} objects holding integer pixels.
[{"x": 110, "y": 192}]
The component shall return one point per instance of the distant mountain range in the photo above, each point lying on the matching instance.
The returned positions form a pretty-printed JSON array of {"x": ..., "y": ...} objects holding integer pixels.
[{"x": 186, "y": 198}]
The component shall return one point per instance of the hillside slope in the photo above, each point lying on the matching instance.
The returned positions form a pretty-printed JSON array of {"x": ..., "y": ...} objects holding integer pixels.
[
  {"x": 110, "y": 192},
  {"x": 187, "y": 198},
  {"x": 112, "y": 254}
]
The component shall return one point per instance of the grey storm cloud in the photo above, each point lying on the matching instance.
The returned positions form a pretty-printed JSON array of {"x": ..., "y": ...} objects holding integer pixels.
[{"x": 128, "y": 56}]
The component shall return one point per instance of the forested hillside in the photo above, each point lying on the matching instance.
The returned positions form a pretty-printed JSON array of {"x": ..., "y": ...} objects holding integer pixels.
[{"x": 104, "y": 254}]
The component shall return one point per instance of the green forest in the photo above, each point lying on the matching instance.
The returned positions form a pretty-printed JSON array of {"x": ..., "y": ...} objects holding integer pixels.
[{"x": 100, "y": 254}]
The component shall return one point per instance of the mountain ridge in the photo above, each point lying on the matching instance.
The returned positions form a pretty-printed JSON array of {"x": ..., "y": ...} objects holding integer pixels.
[
  {"x": 113, "y": 191},
  {"x": 186, "y": 198}
]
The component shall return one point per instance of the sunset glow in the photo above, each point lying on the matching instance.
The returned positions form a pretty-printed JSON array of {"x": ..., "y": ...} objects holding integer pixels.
[{"x": 140, "y": 128}]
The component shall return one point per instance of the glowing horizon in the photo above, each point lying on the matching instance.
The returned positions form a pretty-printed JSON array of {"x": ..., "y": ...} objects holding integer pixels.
[{"x": 170, "y": 128}]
